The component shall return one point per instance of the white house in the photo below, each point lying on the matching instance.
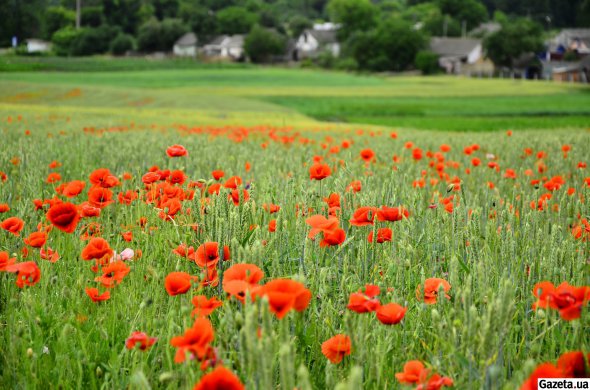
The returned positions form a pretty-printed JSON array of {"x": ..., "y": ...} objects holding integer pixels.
[
  {"x": 312, "y": 42},
  {"x": 37, "y": 46},
  {"x": 453, "y": 52},
  {"x": 226, "y": 46},
  {"x": 186, "y": 46}
]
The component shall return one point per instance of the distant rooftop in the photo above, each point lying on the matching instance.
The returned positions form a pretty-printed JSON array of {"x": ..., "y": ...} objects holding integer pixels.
[{"x": 453, "y": 47}]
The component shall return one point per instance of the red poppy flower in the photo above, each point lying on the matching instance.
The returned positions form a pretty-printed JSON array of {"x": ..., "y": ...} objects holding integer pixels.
[
  {"x": 545, "y": 370},
  {"x": 95, "y": 296},
  {"x": 27, "y": 273},
  {"x": 391, "y": 313},
  {"x": 13, "y": 225},
  {"x": 335, "y": 348},
  {"x": 333, "y": 237},
  {"x": 176, "y": 151},
  {"x": 178, "y": 283},
  {"x": 64, "y": 216},
  {"x": 177, "y": 177},
  {"x": 284, "y": 295},
  {"x": 87, "y": 210},
  {"x": 367, "y": 155},
  {"x": 271, "y": 208},
  {"x": 100, "y": 197},
  {"x": 36, "y": 239},
  {"x": 272, "y": 226},
  {"x": 194, "y": 341},
  {"x": 355, "y": 186},
  {"x": 127, "y": 197},
  {"x": 204, "y": 306},
  {"x": 392, "y": 214},
  {"x": 565, "y": 298},
  {"x": 234, "y": 196},
  {"x": 412, "y": 372},
  {"x": 207, "y": 255},
  {"x": 364, "y": 302},
  {"x": 333, "y": 201},
  {"x": 363, "y": 216},
  {"x": 217, "y": 174},
  {"x": 73, "y": 188},
  {"x": 97, "y": 248},
  {"x": 4, "y": 208},
  {"x": 6, "y": 261},
  {"x": 430, "y": 292},
  {"x": 240, "y": 278},
  {"x": 140, "y": 338},
  {"x": 219, "y": 379},
  {"x": 319, "y": 224},
  {"x": 49, "y": 255},
  {"x": 319, "y": 171},
  {"x": 127, "y": 236},
  {"x": 573, "y": 365},
  {"x": 103, "y": 177},
  {"x": 113, "y": 274},
  {"x": 53, "y": 177},
  {"x": 233, "y": 182},
  {"x": 383, "y": 235},
  {"x": 150, "y": 177}
]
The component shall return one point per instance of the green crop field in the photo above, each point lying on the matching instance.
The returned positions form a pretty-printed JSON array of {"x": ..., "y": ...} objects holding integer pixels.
[
  {"x": 365, "y": 231},
  {"x": 432, "y": 103}
]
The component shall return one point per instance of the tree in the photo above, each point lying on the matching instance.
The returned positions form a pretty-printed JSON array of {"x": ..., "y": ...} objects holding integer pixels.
[
  {"x": 353, "y": 15},
  {"x": 298, "y": 24},
  {"x": 514, "y": 39},
  {"x": 200, "y": 19},
  {"x": 472, "y": 12},
  {"x": 427, "y": 62},
  {"x": 262, "y": 44},
  {"x": 392, "y": 46},
  {"x": 160, "y": 36},
  {"x": 57, "y": 18},
  {"x": 235, "y": 20},
  {"x": 122, "y": 44}
]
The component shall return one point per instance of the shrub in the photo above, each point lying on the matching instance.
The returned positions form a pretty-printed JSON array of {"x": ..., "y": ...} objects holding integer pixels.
[
  {"x": 63, "y": 40},
  {"x": 427, "y": 62},
  {"x": 262, "y": 44},
  {"x": 94, "y": 40},
  {"x": 122, "y": 44}
]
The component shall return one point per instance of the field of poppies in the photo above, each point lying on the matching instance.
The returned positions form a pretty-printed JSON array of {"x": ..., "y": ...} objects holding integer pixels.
[{"x": 158, "y": 245}]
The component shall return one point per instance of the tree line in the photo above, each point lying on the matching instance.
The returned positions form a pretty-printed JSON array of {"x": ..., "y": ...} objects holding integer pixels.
[{"x": 375, "y": 35}]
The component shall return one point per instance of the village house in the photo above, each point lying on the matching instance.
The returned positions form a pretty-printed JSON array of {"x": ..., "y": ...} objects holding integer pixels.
[
  {"x": 226, "y": 47},
  {"x": 37, "y": 46},
  {"x": 186, "y": 46},
  {"x": 575, "y": 40},
  {"x": 455, "y": 53},
  {"x": 312, "y": 42}
]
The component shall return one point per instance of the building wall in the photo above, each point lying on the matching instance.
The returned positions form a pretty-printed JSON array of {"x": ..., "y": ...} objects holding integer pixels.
[
  {"x": 185, "y": 51},
  {"x": 304, "y": 45}
]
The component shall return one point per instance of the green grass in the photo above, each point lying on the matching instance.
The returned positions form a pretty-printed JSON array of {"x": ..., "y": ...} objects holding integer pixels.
[
  {"x": 493, "y": 248},
  {"x": 12, "y": 63},
  {"x": 435, "y": 103}
]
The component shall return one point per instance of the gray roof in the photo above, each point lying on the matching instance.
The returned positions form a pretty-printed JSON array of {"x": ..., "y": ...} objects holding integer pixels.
[
  {"x": 227, "y": 41},
  {"x": 323, "y": 36},
  {"x": 453, "y": 47},
  {"x": 188, "y": 39},
  {"x": 235, "y": 41}
]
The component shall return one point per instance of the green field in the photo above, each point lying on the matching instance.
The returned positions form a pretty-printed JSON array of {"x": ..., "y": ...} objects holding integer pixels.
[
  {"x": 280, "y": 95},
  {"x": 493, "y": 213}
]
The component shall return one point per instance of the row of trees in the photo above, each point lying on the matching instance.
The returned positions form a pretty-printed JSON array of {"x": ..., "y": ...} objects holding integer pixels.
[{"x": 376, "y": 35}]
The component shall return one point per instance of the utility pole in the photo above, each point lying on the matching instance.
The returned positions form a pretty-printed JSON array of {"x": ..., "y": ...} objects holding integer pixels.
[{"x": 78, "y": 11}]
